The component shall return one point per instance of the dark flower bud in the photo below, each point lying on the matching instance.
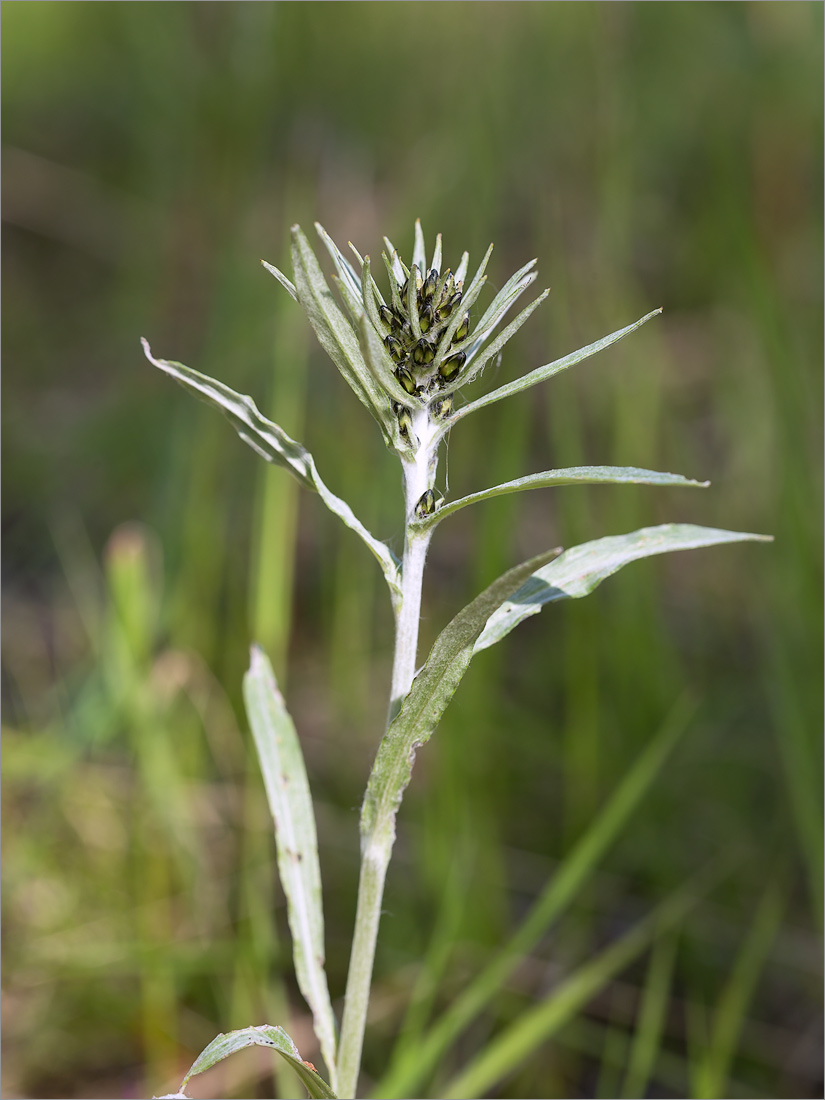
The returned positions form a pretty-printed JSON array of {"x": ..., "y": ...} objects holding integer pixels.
[
  {"x": 404, "y": 421},
  {"x": 450, "y": 367},
  {"x": 425, "y": 318},
  {"x": 426, "y": 505},
  {"x": 406, "y": 379},
  {"x": 442, "y": 409},
  {"x": 387, "y": 316},
  {"x": 462, "y": 329},
  {"x": 429, "y": 286},
  {"x": 395, "y": 348},
  {"x": 423, "y": 353}
]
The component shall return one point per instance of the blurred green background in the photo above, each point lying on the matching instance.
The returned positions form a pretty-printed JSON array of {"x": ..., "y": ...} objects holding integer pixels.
[{"x": 648, "y": 154}]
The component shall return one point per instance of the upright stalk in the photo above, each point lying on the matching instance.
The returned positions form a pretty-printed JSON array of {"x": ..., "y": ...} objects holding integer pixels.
[{"x": 376, "y": 846}]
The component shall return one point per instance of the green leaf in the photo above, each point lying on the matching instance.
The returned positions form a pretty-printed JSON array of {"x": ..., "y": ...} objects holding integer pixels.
[
  {"x": 408, "y": 1075},
  {"x": 579, "y": 570},
  {"x": 419, "y": 250},
  {"x": 506, "y": 297},
  {"x": 273, "y": 444},
  {"x": 345, "y": 270},
  {"x": 428, "y": 697},
  {"x": 547, "y": 371},
  {"x": 573, "y": 475},
  {"x": 287, "y": 790},
  {"x": 535, "y": 1026},
  {"x": 263, "y": 1036},
  {"x": 335, "y": 333},
  {"x": 282, "y": 279}
]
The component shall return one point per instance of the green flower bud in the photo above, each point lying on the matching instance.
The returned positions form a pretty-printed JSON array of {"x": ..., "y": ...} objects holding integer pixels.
[
  {"x": 425, "y": 318},
  {"x": 462, "y": 329},
  {"x": 430, "y": 282},
  {"x": 406, "y": 379},
  {"x": 442, "y": 409},
  {"x": 450, "y": 367},
  {"x": 395, "y": 348},
  {"x": 404, "y": 420},
  {"x": 388, "y": 318},
  {"x": 423, "y": 353},
  {"x": 425, "y": 506}
]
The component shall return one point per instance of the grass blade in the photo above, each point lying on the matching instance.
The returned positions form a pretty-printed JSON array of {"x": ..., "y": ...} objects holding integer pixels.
[
  {"x": 263, "y": 1036},
  {"x": 651, "y": 1018},
  {"x": 287, "y": 789},
  {"x": 549, "y": 369},
  {"x": 583, "y": 568},
  {"x": 408, "y": 1076},
  {"x": 574, "y": 475},
  {"x": 726, "y": 1026},
  {"x": 517, "y": 1042}
]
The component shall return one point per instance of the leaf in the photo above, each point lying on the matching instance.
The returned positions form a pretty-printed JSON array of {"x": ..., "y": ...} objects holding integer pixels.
[
  {"x": 579, "y": 570},
  {"x": 282, "y": 279},
  {"x": 335, "y": 334},
  {"x": 263, "y": 1036},
  {"x": 273, "y": 444},
  {"x": 344, "y": 268},
  {"x": 287, "y": 790},
  {"x": 419, "y": 249},
  {"x": 506, "y": 297},
  {"x": 547, "y": 371},
  {"x": 573, "y": 475},
  {"x": 517, "y": 1042},
  {"x": 428, "y": 697},
  {"x": 407, "y": 1077}
]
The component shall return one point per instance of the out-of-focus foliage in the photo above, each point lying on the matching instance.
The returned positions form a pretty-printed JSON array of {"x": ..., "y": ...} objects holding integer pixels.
[{"x": 649, "y": 155}]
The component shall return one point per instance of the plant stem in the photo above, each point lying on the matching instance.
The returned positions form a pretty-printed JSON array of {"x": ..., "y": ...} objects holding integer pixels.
[{"x": 376, "y": 847}]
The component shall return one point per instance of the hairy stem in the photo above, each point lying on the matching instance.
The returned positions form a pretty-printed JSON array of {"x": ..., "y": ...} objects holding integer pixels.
[{"x": 376, "y": 846}]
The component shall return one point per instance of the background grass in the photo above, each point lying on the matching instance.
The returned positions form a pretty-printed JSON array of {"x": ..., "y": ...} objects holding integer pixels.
[{"x": 648, "y": 154}]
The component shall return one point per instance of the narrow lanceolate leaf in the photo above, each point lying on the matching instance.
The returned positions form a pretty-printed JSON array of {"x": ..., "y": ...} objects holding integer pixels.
[
  {"x": 432, "y": 690},
  {"x": 574, "y": 475},
  {"x": 263, "y": 1036},
  {"x": 419, "y": 249},
  {"x": 581, "y": 569},
  {"x": 549, "y": 369},
  {"x": 335, "y": 333},
  {"x": 282, "y": 279},
  {"x": 287, "y": 790},
  {"x": 506, "y": 297},
  {"x": 346, "y": 271},
  {"x": 273, "y": 444}
]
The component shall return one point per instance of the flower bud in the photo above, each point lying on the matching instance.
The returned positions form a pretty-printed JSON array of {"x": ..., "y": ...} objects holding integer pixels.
[
  {"x": 404, "y": 421},
  {"x": 388, "y": 318},
  {"x": 429, "y": 286},
  {"x": 395, "y": 348},
  {"x": 406, "y": 379},
  {"x": 423, "y": 353},
  {"x": 426, "y": 505},
  {"x": 462, "y": 329},
  {"x": 450, "y": 367},
  {"x": 425, "y": 318},
  {"x": 442, "y": 409}
]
